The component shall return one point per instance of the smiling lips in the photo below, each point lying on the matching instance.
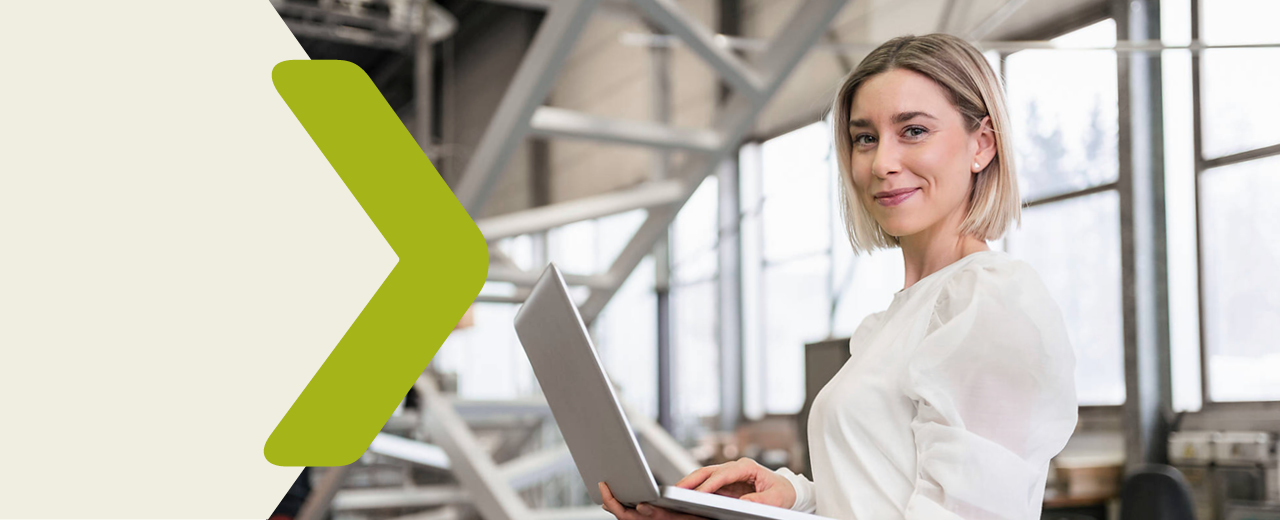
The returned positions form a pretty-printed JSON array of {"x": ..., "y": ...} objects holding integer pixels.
[{"x": 895, "y": 197}]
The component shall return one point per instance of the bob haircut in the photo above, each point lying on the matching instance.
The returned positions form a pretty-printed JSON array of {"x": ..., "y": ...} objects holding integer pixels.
[{"x": 976, "y": 91}]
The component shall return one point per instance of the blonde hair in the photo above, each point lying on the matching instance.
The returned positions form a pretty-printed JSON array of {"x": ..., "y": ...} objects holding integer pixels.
[{"x": 976, "y": 91}]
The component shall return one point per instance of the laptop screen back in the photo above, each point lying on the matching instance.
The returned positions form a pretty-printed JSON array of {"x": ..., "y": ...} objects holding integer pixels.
[{"x": 579, "y": 394}]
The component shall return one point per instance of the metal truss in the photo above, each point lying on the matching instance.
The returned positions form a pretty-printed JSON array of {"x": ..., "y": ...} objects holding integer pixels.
[
  {"x": 521, "y": 113},
  {"x": 492, "y": 487},
  {"x": 483, "y": 486}
]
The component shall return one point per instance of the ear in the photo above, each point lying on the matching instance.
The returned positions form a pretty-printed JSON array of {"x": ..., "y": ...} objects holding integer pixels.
[{"x": 985, "y": 138}]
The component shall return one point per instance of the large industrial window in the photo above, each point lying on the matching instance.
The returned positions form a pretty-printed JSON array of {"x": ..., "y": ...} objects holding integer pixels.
[
  {"x": 786, "y": 189},
  {"x": 1063, "y": 105},
  {"x": 1238, "y": 175},
  {"x": 695, "y": 345},
  {"x": 795, "y": 258},
  {"x": 1240, "y": 237}
]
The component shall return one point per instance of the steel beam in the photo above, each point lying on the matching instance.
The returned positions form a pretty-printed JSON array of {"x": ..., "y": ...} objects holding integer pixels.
[
  {"x": 648, "y": 195},
  {"x": 525, "y": 471},
  {"x": 390, "y": 498},
  {"x": 493, "y": 298},
  {"x": 556, "y": 36},
  {"x": 409, "y": 450},
  {"x": 565, "y": 123},
  {"x": 496, "y": 422},
  {"x": 472, "y": 466},
  {"x": 1144, "y": 256},
  {"x": 528, "y": 278},
  {"x": 668, "y": 15},
  {"x": 440, "y": 513},
  {"x": 994, "y": 20},
  {"x": 729, "y": 295},
  {"x": 662, "y": 109},
  {"x": 796, "y": 38},
  {"x": 798, "y": 35},
  {"x": 316, "y": 506},
  {"x": 405, "y": 422},
  {"x": 472, "y": 410}
]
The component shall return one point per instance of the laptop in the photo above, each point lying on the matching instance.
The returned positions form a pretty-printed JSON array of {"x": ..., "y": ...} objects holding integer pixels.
[{"x": 599, "y": 437}]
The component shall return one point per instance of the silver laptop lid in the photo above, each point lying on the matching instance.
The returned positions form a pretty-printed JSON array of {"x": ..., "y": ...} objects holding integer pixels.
[{"x": 580, "y": 395}]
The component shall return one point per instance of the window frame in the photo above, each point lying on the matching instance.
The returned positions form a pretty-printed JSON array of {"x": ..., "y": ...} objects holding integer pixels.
[{"x": 1208, "y": 406}]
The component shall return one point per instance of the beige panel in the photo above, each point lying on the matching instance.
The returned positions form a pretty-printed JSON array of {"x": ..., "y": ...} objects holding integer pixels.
[
  {"x": 695, "y": 90},
  {"x": 600, "y": 64},
  {"x": 598, "y": 168},
  {"x": 764, "y": 18}
]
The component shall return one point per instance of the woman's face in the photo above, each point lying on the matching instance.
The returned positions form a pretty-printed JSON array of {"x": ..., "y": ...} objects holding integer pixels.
[{"x": 913, "y": 159}]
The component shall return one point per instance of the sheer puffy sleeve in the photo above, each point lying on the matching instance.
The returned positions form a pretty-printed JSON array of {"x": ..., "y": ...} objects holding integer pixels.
[{"x": 994, "y": 388}]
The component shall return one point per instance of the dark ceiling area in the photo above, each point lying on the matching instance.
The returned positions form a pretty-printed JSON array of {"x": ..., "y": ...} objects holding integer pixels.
[{"x": 392, "y": 69}]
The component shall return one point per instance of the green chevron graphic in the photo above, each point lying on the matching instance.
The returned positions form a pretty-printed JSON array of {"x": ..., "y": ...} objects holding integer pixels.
[{"x": 443, "y": 263}]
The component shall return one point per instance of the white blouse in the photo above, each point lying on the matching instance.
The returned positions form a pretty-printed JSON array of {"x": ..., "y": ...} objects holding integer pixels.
[{"x": 953, "y": 402}]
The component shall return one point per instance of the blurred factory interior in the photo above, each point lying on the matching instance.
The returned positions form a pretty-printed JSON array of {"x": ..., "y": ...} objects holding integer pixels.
[{"x": 674, "y": 158}]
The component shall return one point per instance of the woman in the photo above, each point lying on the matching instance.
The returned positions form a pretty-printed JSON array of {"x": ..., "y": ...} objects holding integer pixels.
[{"x": 956, "y": 396}]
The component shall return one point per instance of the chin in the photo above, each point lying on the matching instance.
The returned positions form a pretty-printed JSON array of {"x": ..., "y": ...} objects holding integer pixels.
[{"x": 899, "y": 228}]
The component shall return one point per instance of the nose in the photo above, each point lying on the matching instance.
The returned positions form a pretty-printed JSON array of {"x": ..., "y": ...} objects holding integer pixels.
[{"x": 885, "y": 160}]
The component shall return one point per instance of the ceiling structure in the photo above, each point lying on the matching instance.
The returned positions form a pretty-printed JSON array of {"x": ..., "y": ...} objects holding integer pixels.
[
  {"x": 639, "y": 121},
  {"x": 554, "y": 111},
  {"x": 610, "y": 74}
]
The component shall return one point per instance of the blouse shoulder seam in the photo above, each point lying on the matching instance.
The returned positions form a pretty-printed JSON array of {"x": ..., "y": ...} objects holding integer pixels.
[{"x": 949, "y": 284}]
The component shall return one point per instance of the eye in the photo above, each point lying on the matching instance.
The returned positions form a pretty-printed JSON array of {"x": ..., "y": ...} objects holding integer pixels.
[
  {"x": 915, "y": 131},
  {"x": 863, "y": 139}
]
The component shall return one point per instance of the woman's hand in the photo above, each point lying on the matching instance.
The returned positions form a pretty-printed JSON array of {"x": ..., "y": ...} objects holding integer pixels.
[
  {"x": 743, "y": 479},
  {"x": 641, "y": 512}
]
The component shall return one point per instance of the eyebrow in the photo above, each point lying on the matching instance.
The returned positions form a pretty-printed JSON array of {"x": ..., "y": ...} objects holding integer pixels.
[{"x": 901, "y": 117}]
